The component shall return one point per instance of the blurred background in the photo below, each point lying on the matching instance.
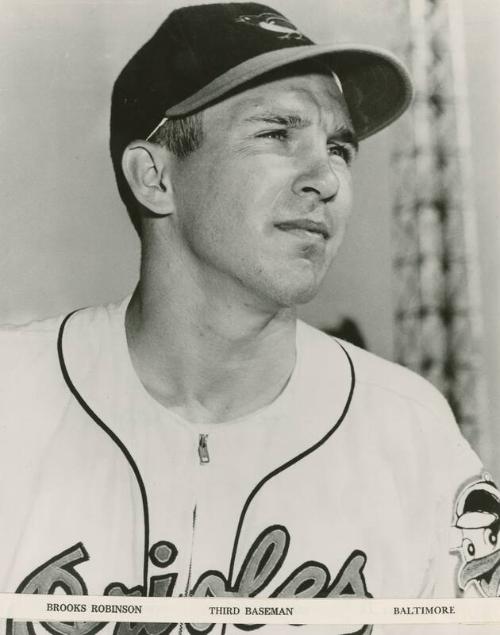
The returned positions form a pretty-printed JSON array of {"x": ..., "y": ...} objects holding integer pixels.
[{"x": 418, "y": 277}]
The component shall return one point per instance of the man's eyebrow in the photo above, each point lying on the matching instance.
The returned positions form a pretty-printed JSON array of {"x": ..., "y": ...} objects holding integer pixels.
[
  {"x": 343, "y": 133},
  {"x": 289, "y": 121}
]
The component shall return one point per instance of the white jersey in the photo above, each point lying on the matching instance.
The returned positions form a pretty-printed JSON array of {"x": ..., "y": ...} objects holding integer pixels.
[{"x": 343, "y": 487}]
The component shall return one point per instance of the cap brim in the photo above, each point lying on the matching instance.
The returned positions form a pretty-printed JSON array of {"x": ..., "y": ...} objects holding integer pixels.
[
  {"x": 376, "y": 85},
  {"x": 476, "y": 520}
]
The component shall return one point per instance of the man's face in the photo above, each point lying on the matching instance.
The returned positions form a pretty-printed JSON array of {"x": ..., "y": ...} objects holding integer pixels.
[{"x": 262, "y": 205}]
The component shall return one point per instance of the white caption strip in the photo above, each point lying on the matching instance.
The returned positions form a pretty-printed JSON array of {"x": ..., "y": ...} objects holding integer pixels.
[{"x": 83, "y": 608}]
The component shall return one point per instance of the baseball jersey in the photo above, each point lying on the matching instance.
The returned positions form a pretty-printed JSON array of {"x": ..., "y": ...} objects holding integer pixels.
[{"x": 342, "y": 487}]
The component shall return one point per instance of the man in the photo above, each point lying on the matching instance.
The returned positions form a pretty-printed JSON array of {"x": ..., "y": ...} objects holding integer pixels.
[{"x": 196, "y": 439}]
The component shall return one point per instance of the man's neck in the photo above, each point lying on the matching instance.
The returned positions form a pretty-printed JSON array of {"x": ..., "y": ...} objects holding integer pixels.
[{"x": 205, "y": 357}]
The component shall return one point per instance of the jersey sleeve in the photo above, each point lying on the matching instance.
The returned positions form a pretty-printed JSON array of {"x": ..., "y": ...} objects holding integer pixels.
[{"x": 460, "y": 521}]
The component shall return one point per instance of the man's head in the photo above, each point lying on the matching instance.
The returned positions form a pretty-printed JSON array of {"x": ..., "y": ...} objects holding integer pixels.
[
  {"x": 201, "y": 54},
  {"x": 263, "y": 202},
  {"x": 237, "y": 126}
]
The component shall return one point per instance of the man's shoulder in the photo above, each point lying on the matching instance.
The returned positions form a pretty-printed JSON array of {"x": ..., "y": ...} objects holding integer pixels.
[
  {"x": 49, "y": 326},
  {"x": 25, "y": 347},
  {"x": 28, "y": 348},
  {"x": 391, "y": 381},
  {"x": 403, "y": 407}
]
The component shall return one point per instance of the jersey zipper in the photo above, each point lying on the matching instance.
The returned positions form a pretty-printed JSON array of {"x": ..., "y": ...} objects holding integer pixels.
[
  {"x": 204, "y": 458},
  {"x": 203, "y": 449},
  {"x": 190, "y": 567}
]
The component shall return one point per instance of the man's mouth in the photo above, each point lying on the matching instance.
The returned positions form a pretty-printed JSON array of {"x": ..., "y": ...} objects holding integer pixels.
[{"x": 316, "y": 228}]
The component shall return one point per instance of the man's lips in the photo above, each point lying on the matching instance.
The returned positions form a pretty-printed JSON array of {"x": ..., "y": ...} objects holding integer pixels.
[{"x": 305, "y": 224}]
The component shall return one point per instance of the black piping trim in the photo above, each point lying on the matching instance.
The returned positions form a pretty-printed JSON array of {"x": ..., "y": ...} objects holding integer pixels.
[
  {"x": 117, "y": 441},
  {"x": 289, "y": 463}
]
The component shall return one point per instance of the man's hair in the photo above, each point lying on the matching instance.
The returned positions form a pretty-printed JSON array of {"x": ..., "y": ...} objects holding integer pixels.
[{"x": 181, "y": 136}]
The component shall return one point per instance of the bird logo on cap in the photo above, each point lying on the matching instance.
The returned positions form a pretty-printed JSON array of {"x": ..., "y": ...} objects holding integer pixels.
[
  {"x": 478, "y": 517},
  {"x": 274, "y": 23}
]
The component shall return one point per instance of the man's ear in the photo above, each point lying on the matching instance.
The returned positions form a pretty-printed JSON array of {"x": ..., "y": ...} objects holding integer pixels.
[{"x": 146, "y": 168}]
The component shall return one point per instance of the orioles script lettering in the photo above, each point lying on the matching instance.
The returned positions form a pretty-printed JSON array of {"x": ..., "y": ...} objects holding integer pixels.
[{"x": 259, "y": 568}]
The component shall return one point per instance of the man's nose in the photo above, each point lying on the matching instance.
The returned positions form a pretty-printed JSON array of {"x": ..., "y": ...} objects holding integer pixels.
[{"x": 317, "y": 179}]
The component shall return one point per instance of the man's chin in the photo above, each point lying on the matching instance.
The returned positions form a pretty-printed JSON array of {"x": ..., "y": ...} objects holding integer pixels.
[
  {"x": 281, "y": 299},
  {"x": 303, "y": 285},
  {"x": 294, "y": 295},
  {"x": 305, "y": 296},
  {"x": 304, "y": 293},
  {"x": 291, "y": 287}
]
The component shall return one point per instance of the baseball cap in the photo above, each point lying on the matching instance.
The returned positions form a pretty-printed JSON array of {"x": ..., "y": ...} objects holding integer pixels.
[
  {"x": 200, "y": 54},
  {"x": 478, "y": 506}
]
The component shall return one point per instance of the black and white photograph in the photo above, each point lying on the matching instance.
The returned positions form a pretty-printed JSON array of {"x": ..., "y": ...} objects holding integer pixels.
[{"x": 250, "y": 341}]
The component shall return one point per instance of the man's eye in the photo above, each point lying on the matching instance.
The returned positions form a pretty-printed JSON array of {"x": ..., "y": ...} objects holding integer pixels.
[
  {"x": 280, "y": 135},
  {"x": 344, "y": 152}
]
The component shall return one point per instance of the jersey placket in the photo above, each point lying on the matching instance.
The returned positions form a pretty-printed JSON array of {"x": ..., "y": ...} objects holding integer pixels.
[{"x": 200, "y": 463}]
